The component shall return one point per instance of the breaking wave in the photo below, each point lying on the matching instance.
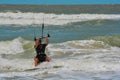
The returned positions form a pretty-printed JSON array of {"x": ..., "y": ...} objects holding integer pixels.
[
  {"x": 113, "y": 40},
  {"x": 19, "y": 18},
  {"x": 70, "y": 51},
  {"x": 67, "y": 56},
  {"x": 11, "y": 47}
]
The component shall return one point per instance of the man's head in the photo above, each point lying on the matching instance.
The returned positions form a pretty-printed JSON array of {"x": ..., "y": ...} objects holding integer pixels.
[{"x": 38, "y": 40}]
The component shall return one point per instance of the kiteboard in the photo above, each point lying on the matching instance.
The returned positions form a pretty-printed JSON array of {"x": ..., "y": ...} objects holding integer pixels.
[{"x": 31, "y": 69}]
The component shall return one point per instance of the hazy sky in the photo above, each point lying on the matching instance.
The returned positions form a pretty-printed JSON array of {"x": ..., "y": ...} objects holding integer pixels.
[{"x": 59, "y": 1}]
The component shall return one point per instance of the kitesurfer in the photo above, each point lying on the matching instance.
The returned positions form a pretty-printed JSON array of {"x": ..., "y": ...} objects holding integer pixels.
[{"x": 40, "y": 50}]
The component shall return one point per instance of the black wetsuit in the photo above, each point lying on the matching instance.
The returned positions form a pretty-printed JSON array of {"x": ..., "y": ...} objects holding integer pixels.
[{"x": 40, "y": 50}]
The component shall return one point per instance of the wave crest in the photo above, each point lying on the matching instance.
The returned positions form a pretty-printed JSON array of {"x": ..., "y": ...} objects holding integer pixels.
[
  {"x": 49, "y": 19},
  {"x": 11, "y": 47},
  {"x": 113, "y": 40}
]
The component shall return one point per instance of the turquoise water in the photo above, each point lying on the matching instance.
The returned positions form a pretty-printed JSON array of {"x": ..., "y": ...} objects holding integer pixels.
[
  {"x": 74, "y": 31},
  {"x": 83, "y": 46}
]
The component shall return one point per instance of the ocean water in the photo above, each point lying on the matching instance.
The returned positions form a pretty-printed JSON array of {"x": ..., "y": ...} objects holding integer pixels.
[{"x": 84, "y": 42}]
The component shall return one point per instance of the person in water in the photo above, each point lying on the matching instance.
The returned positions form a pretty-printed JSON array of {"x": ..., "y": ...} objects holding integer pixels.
[{"x": 40, "y": 50}]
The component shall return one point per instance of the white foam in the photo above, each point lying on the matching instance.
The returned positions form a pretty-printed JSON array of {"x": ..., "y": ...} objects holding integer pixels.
[
  {"x": 11, "y": 47},
  {"x": 92, "y": 59},
  {"x": 78, "y": 47},
  {"x": 92, "y": 56},
  {"x": 50, "y": 19},
  {"x": 15, "y": 64},
  {"x": 20, "y": 74},
  {"x": 91, "y": 65}
]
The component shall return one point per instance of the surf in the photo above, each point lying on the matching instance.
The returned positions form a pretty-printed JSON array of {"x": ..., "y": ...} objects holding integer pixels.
[
  {"x": 72, "y": 50},
  {"x": 29, "y": 18}
]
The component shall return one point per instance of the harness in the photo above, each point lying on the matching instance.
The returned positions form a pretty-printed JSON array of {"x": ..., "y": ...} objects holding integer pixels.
[
  {"x": 40, "y": 49},
  {"x": 41, "y": 53}
]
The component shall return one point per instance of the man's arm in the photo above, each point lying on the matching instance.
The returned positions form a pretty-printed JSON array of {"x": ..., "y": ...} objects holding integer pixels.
[
  {"x": 47, "y": 41},
  {"x": 36, "y": 43}
]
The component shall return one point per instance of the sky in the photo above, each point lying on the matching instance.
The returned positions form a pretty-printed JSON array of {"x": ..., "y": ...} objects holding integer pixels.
[{"x": 59, "y": 1}]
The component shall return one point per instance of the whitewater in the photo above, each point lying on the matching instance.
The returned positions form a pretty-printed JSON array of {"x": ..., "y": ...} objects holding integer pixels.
[
  {"x": 20, "y": 18},
  {"x": 69, "y": 60}
]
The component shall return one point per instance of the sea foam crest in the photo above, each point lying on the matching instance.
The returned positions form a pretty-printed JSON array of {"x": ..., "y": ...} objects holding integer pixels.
[
  {"x": 49, "y": 19},
  {"x": 11, "y": 47},
  {"x": 77, "y": 47}
]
